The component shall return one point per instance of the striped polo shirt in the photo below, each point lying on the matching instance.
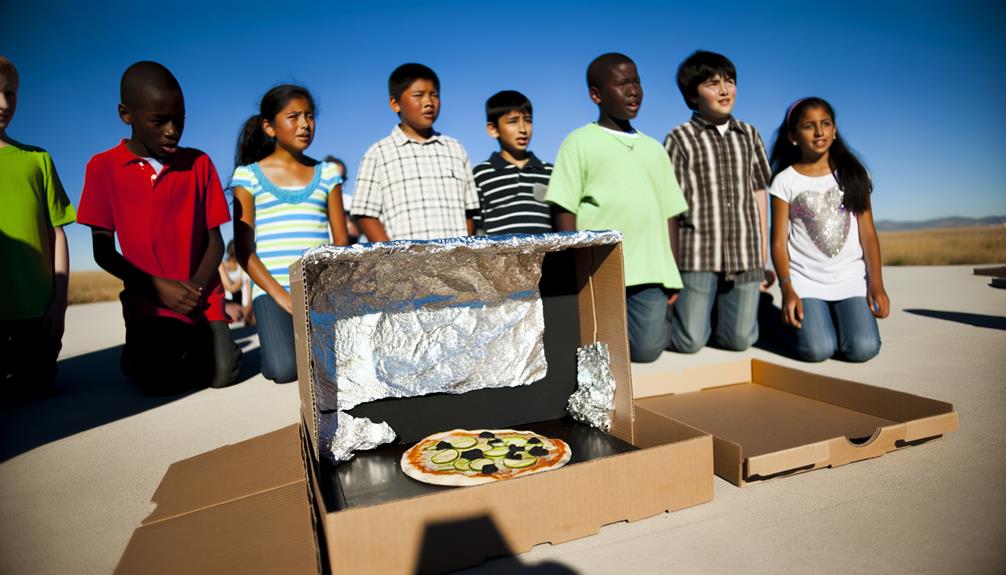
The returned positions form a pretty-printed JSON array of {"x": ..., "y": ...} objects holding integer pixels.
[
  {"x": 288, "y": 221},
  {"x": 507, "y": 195}
]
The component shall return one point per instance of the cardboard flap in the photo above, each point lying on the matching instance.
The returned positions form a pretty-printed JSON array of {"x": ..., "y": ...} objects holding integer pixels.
[
  {"x": 691, "y": 379},
  {"x": 230, "y": 472},
  {"x": 272, "y": 532},
  {"x": 869, "y": 399}
]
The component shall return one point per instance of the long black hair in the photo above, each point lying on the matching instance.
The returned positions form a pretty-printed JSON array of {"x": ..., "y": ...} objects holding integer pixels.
[
  {"x": 253, "y": 144},
  {"x": 852, "y": 177}
]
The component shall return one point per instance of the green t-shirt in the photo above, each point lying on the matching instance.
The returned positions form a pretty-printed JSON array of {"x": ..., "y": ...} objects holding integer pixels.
[
  {"x": 622, "y": 182},
  {"x": 33, "y": 203}
]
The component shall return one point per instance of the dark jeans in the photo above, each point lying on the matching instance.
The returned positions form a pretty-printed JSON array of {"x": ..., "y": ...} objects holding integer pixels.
[
  {"x": 275, "y": 337},
  {"x": 845, "y": 329},
  {"x": 164, "y": 355},
  {"x": 647, "y": 322},
  {"x": 27, "y": 358}
]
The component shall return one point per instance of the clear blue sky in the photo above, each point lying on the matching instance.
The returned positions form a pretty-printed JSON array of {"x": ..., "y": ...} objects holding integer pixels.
[{"x": 918, "y": 87}]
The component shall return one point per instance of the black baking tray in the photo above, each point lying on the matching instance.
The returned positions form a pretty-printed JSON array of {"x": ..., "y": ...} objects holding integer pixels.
[{"x": 375, "y": 477}]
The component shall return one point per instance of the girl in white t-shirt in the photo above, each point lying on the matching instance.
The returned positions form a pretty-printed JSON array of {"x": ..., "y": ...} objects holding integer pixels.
[{"x": 824, "y": 243}]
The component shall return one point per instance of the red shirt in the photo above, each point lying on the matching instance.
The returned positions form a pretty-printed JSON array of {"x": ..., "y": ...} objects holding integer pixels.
[{"x": 162, "y": 221}]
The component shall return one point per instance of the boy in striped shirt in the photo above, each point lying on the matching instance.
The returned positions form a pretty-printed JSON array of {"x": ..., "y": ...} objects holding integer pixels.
[{"x": 513, "y": 179}]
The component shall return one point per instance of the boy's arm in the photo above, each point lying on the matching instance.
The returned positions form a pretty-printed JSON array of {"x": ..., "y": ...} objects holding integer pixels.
[
  {"x": 176, "y": 295},
  {"x": 373, "y": 229},
  {"x": 564, "y": 221},
  {"x": 55, "y": 317},
  {"x": 761, "y": 199},
  {"x": 210, "y": 261}
]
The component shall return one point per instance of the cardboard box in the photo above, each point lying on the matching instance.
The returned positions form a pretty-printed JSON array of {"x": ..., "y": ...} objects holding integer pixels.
[
  {"x": 583, "y": 295},
  {"x": 769, "y": 421}
]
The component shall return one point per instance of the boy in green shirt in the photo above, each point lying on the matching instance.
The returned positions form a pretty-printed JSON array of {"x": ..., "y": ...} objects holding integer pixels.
[
  {"x": 34, "y": 254},
  {"x": 608, "y": 175}
]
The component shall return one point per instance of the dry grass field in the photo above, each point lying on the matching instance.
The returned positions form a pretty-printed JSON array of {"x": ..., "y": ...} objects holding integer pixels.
[
  {"x": 951, "y": 246},
  {"x": 92, "y": 286},
  {"x": 983, "y": 245}
]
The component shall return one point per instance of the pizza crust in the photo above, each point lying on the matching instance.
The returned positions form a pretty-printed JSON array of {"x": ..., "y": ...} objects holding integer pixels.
[{"x": 416, "y": 464}]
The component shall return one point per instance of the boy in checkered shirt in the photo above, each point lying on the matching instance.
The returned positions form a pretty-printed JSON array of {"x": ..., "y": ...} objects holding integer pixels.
[{"x": 415, "y": 183}]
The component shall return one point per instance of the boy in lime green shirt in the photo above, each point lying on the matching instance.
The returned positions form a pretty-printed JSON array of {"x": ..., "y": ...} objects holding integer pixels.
[
  {"x": 608, "y": 175},
  {"x": 34, "y": 254}
]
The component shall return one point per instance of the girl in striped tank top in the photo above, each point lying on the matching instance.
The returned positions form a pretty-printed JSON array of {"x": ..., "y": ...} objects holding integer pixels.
[{"x": 284, "y": 204}]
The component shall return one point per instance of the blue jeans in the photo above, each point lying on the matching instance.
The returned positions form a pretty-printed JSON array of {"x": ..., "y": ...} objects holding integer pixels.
[
  {"x": 845, "y": 329},
  {"x": 736, "y": 313},
  {"x": 275, "y": 337},
  {"x": 649, "y": 329}
]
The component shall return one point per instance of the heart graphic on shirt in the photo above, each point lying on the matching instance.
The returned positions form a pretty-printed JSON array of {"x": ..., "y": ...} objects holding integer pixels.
[{"x": 825, "y": 219}]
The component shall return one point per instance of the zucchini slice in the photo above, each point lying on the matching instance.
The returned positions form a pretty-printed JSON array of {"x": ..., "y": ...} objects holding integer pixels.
[
  {"x": 497, "y": 452},
  {"x": 520, "y": 463},
  {"x": 445, "y": 456},
  {"x": 462, "y": 464},
  {"x": 479, "y": 463},
  {"x": 464, "y": 442}
]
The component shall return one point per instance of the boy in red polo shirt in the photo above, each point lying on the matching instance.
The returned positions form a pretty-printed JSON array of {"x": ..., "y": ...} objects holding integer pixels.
[{"x": 165, "y": 204}]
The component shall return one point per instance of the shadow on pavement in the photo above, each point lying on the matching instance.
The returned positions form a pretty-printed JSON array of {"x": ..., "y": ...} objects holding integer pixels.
[
  {"x": 975, "y": 319},
  {"x": 90, "y": 390}
]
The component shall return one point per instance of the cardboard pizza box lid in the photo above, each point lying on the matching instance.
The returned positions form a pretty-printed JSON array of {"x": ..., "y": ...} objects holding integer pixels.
[
  {"x": 769, "y": 420},
  {"x": 240, "y": 508}
]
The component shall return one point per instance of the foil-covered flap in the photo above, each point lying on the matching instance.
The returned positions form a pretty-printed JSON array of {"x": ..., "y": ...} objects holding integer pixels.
[
  {"x": 357, "y": 433},
  {"x": 593, "y": 402}
]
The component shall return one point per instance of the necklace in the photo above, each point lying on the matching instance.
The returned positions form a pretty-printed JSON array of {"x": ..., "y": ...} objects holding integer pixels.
[{"x": 627, "y": 145}]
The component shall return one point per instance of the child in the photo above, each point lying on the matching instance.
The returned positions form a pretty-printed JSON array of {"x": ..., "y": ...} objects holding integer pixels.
[
  {"x": 236, "y": 288},
  {"x": 284, "y": 204},
  {"x": 164, "y": 203},
  {"x": 721, "y": 165},
  {"x": 354, "y": 231},
  {"x": 610, "y": 176},
  {"x": 34, "y": 254},
  {"x": 508, "y": 181},
  {"x": 824, "y": 243},
  {"x": 415, "y": 183}
]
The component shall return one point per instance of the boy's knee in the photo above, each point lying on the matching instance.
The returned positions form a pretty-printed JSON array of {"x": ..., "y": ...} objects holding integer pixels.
[
  {"x": 645, "y": 353},
  {"x": 735, "y": 341},
  {"x": 815, "y": 352},
  {"x": 860, "y": 349}
]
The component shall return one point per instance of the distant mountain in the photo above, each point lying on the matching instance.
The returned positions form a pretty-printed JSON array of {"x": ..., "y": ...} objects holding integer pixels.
[{"x": 951, "y": 222}]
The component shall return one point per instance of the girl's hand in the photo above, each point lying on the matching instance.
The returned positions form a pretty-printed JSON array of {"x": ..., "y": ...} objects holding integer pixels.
[
  {"x": 880, "y": 304},
  {"x": 792, "y": 308},
  {"x": 285, "y": 302}
]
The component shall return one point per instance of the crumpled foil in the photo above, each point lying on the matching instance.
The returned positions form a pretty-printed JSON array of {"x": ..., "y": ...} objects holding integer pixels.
[
  {"x": 593, "y": 402},
  {"x": 358, "y": 433},
  {"x": 410, "y": 318}
]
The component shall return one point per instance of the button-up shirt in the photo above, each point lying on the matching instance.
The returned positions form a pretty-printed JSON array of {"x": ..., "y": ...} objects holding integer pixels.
[{"x": 721, "y": 231}]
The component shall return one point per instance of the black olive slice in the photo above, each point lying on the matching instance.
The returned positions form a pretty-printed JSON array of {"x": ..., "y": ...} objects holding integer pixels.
[
  {"x": 534, "y": 440},
  {"x": 472, "y": 454},
  {"x": 487, "y": 434},
  {"x": 444, "y": 445},
  {"x": 538, "y": 451},
  {"x": 489, "y": 468}
]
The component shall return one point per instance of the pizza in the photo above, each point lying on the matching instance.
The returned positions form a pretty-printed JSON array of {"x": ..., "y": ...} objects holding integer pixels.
[{"x": 464, "y": 457}]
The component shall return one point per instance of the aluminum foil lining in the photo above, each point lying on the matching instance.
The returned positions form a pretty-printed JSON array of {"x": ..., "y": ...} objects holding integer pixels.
[
  {"x": 593, "y": 402},
  {"x": 357, "y": 433},
  {"x": 410, "y": 318}
]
